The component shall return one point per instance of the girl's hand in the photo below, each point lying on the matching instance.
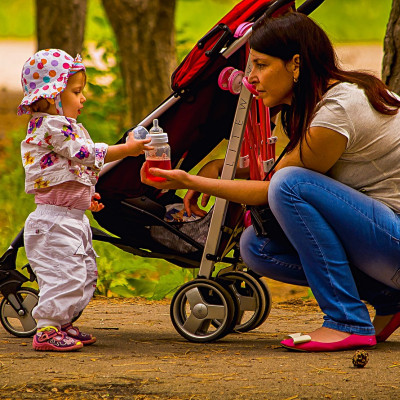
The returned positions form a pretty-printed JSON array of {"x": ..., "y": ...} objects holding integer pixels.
[
  {"x": 95, "y": 205},
  {"x": 175, "y": 179},
  {"x": 137, "y": 146}
]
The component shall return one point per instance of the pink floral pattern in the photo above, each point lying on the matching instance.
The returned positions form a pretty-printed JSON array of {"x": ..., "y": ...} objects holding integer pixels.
[
  {"x": 56, "y": 150},
  {"x": 48, "y": 160}
]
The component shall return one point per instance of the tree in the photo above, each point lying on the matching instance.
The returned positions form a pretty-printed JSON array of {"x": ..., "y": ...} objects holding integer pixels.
[
  {"x": 60, "y": 24},
  {"x": 144, "y": 30},
  {"x": 391, "y": 59}
]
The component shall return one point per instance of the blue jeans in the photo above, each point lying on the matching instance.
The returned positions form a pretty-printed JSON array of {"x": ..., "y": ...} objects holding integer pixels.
[{"x": 341, "y": 243}]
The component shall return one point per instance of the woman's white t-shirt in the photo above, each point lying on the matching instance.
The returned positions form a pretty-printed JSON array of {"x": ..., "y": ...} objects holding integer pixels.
[{"x": 371, "y": 161}]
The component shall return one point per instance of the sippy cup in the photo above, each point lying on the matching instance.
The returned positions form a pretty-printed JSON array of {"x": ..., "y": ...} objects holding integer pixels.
[{"x": 160, "y": 156}]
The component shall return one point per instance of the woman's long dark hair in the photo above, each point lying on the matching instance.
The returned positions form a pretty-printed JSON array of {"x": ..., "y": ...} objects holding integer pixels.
[{"x": 295, "y": 33}]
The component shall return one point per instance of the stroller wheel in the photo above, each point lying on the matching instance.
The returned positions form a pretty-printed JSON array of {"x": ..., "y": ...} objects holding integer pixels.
[
  {"x": 251, "y": 294},
  {"x": 17, "y": 325},
  {"x": 196, "y": 304},
  {"x": 267, "y": 299}
]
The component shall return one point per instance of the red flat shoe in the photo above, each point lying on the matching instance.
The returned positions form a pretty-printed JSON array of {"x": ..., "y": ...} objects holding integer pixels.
[
  {"x": 392, "y": 325},
  {"x": 300, "y": 342}
]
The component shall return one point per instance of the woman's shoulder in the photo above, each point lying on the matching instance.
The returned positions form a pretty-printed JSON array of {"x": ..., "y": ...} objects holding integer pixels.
[
  {"x": 345, "y": 96},
  {"x": 344, "y": 90}
]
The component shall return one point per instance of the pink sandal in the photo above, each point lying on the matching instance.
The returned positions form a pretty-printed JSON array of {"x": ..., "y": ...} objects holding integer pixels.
[
  {"x": 52, "y": 339},
  {"x": 74, "y": 332},
  {"x": 299, "y": 342},
  {"x": 392, "y": 325}
]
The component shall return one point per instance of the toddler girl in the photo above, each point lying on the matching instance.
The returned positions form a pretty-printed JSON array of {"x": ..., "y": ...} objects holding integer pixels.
[{"x": 62, "y": 165}]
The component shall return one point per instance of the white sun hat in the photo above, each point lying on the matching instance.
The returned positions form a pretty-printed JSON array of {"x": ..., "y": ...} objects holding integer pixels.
[{"x": 45, "y": 75}]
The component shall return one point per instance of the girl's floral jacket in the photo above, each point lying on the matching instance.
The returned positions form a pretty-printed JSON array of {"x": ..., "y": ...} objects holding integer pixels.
[{"x": 57, "y": 149}]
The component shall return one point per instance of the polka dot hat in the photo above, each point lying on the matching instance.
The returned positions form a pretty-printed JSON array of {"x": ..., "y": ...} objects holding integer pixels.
[{"x": 45, "y": 75}]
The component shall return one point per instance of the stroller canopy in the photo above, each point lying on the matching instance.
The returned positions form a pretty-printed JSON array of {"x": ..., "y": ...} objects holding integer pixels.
[{"x": 220, "y": 35}]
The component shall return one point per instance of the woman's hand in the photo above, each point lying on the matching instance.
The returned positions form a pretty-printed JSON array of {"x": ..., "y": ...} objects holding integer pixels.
[
  {"x": 94, "y": 204},
  {"x": 174, "y": 179}
]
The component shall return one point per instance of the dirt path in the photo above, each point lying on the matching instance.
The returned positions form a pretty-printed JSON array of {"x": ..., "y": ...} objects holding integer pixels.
[{"x": 139, "y": 355}]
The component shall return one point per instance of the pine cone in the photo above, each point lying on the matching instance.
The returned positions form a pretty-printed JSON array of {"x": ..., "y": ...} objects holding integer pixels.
[{"x": 360, "y": 358}]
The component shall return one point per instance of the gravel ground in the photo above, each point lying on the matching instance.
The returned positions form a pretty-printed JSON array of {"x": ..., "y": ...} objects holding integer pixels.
[{"x": 140, "y": 356}]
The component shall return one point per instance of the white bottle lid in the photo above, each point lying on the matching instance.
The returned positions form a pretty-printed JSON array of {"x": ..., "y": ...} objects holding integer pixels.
[{"x": 157, "y": 138}]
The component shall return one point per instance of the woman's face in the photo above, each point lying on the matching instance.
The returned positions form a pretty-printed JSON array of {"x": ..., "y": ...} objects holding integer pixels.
[{"x": 273, "y": 78}]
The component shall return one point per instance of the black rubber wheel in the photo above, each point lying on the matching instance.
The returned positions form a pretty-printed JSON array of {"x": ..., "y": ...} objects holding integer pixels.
[
  {"x": 196, "y": 304},
  {"x": 250, "y": 296},
  {"x": 17, "y": 325},
  {"x": 267, "y": 297}
]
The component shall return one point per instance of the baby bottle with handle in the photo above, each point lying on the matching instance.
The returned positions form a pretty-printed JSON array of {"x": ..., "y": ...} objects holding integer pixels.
[{"x": 160, "y": 156}]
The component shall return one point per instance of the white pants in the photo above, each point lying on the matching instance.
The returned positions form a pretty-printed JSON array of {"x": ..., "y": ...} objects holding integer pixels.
[{"x": 58, "y": 245}]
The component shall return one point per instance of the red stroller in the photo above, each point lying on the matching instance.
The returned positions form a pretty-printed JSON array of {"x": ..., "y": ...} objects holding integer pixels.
[{"x": 211, "y": 101}]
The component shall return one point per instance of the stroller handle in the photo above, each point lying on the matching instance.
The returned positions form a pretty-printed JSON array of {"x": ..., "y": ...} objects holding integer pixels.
[
  {"x": 275, "y": 7},
  {"x": 309, "y": 6}
]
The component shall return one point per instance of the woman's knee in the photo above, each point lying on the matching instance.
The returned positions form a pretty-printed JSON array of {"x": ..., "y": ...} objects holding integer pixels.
[
  {"x": 289, "y": 182},
  {"x": 281, "y": 183}
]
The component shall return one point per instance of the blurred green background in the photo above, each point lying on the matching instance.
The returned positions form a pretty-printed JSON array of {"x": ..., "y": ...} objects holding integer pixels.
[
  {"x": 344, "y": 20},
  {"x": 120, "y": 273}
]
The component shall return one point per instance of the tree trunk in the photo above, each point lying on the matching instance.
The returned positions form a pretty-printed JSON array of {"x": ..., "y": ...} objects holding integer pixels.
[
  {"x": 391, "y": 59},
  {"x": 60, "y": 24},
  {"x": 145, "y": 34}
]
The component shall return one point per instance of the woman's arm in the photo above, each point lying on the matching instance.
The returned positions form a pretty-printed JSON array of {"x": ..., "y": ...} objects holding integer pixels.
[
  {"x": 245, "y": 192},
  {"x": 320, "y": 151}
]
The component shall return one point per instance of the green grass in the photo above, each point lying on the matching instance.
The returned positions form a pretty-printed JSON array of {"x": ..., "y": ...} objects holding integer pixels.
[{"x": 344, "y": 20}]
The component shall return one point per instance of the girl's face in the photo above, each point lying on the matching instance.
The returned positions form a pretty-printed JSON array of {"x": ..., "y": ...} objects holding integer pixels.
[
  {"x": 72, "y": 97},
  {"x": 273, "y": 78}
]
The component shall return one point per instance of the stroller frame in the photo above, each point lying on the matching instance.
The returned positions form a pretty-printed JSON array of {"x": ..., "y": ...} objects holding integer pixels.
[{"x": 206, "y": 308}]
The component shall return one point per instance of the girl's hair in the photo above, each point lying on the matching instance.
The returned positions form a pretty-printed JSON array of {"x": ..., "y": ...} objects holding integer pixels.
[
  {"x": 295, "y": 33},
  {"x": 41, "y": 105}
]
